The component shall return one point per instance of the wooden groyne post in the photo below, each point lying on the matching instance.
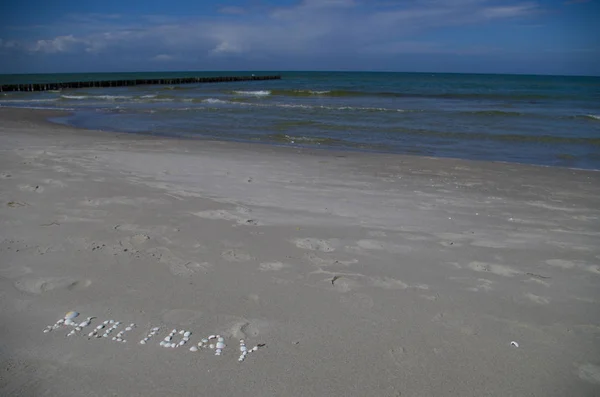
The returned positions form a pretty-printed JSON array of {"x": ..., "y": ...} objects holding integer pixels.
[{"x": 122, "y": 83}]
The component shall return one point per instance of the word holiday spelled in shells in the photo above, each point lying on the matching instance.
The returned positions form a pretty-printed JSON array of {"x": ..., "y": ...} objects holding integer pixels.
[{"x": 175, "y": 339}]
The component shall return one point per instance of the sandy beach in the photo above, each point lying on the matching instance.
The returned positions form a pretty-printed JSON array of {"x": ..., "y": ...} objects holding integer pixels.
[{"x": 363, "y": 274}]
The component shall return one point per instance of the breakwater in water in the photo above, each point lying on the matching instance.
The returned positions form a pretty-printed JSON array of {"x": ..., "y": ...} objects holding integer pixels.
[{"x": 125, "y": 83}]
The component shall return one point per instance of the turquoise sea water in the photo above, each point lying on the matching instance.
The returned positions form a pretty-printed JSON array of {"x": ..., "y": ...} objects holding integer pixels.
[{"x": 548, "y": 120}]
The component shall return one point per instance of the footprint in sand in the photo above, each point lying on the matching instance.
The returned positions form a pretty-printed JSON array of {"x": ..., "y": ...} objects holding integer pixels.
[
  {"x": 35, "y": 285},
  {"x": 177, "y": 265},
  {"x": 273, "y": 266},
  {"x": 589, "y": 373},
  {"x": 387, "y": 283},
  {"x": 344, "y": 284},
  {"x": 134, "y": 242},
  {"x": 240, "y": 327},
  {"x": 499, "y": 270},
  {"x": 563, "y": 264},
  {"x": 375, "y": 245},
  {"x": 240, "y": 217},
  {"x": 31, "y": 188},
  {"x": 329, "y": 262},
  {"x": 314, "y": 244},
  {"x": 482, "y": 285},
  {"x": 540, "y": 300},
  {"x": 236, "y": 255},
  {"x": 54, "y": 182}
]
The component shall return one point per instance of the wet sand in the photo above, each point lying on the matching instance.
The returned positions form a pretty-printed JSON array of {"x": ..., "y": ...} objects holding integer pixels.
[{"x": 363, "y": 274}]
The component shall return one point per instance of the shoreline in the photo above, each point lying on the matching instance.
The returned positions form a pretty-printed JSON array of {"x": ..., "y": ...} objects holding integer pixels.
[
  {"x": 42, "y": 116},
  {"x": 362, "y": 273}
]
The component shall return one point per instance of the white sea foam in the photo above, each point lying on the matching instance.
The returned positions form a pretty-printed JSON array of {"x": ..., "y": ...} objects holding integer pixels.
[
  {"x": 105, "y": 97},
  {"x": 214, "y": 101},
  {"x": 254, "y": 93},
  {"x": 592, "y": 116},
  {"x": 27, "y": 100},
  {"x": 74, "y": 96}
]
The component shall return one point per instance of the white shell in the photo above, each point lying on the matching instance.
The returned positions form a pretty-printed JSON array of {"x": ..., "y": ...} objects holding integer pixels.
[
  {"x": 71, "y": 315},
  {"x": 181, "y": 343},
  {"x": 128, "y": 329},
  {"x": 69, "y": 322},
  {"x": 106, "y": 322},
  {"x": 155, "y": 328},
  {"x": 142, "y": 342},
  {"x": 187, "y": 334},
  {"x": 132, "y": 325},
  {"x": 114, "y": 338},
  {"x": 243, "y": 349},
  {"x": 255, "y": 348},
  {"x": 220, "y": 339},
  {"x": 100, "y": 326},
  {"x": 514, "y": 344},
  {"x": 78, "y": 328},
  {"x": 212, "y": 336},
  {"x": 181, "y": 332},
  {"x": 173, "y": 331},
  {"x": 193, "y": 349},
  {"x": 173, "y": 345},
  {"x": 204, "y": 340},
  {"x": 220, "y": 345},
  {"x": 168, "y": 339},
  {"x": 162, "y": 343},
  {"x": 211, "y": 346},
  {"x": 91, "y": 334}
]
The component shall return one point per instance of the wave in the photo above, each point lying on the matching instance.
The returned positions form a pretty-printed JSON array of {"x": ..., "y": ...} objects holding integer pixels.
[
  {"x": 214, "y": 101},
  {"x": 104, "y": 97},
  {"x": 591, "y": 117},
  {"x": 391, "y": 94},
  {"x": 301, "y": 93},
  {"x": 253, "y": 93},
  {"x": 28, "y": 100},
  {"x": 501, "y": 113},
  {"x": 293, "y": 106},
  {"x": 40, "y": 108}
]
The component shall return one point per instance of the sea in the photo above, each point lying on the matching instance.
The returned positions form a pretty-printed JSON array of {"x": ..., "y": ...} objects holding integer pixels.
[{"x": 543, "y": 120}]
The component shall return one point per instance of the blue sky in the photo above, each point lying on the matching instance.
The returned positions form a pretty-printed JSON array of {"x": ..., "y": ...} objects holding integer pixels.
[{"x": 470, "y": 36}]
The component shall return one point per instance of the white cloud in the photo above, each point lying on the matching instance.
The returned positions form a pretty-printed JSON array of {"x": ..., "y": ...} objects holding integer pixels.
[
  {"x": 310, "y": 27},
  {"x": 509, "y": 11},
  {"x": 58, "y": 44}
]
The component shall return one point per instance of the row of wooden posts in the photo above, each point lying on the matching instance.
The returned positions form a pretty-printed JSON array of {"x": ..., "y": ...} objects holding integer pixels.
[{"x": 122, "y": 83}]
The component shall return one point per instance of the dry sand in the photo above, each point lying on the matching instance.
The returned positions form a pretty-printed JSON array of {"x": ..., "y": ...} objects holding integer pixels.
[{"x": 437, "y": 265}]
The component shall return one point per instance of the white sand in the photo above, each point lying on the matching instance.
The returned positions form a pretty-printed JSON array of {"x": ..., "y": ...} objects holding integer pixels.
[{"x": 437, "y": 265}]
